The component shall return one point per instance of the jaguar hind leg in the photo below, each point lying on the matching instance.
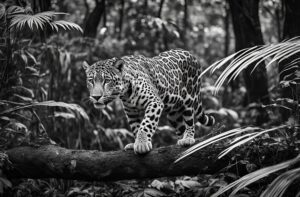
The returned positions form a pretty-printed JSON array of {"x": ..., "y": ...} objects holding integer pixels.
[
  {"x": 189, "y": 132},
  {"x": 188, "y": 137},
  {"x": 184, "y": 125}
]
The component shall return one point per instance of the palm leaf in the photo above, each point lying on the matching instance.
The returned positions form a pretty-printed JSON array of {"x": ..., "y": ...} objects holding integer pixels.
[
  {"x": 278, "y": 187},
  {"x": 255, "y": 176},
  {"x": 238, "y": 141},
  {"x": 65, "y": 25},
  {"x": 72, "y": 107},
  {"x": 214, "y": 139},
  {"x": 240, "y": 60},
  {"x": 247, "y": 138},
  {"x": 33, "y": 21},
  {"x": 40, "y": 20}
]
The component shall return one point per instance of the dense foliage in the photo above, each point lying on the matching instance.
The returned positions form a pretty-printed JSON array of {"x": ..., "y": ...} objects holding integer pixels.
[{"x": 43, "y": 95}]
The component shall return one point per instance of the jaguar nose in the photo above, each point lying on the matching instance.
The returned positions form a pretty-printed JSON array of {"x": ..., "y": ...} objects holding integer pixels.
[{"x": 96, "y": 97}]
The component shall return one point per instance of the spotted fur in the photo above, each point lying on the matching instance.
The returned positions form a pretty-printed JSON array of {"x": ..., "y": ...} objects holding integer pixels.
[{"x": 168, "y": 82}]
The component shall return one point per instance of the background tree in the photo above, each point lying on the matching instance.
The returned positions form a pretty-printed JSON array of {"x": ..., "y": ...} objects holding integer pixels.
[
  {"x": 247, "y": 31},
  {"x": 94, "y": 18}
]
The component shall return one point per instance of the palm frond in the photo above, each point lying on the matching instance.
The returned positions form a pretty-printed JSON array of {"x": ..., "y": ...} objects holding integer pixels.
[
  {"x": 40, "y": 21},
  {"x": 278, "y": 187},
  {"x": 238, "y": 141},
  {"x": 65, "y": 25},
  {"x": 214, "y": 139},
  {"x": 240, "y": 60},
  {"x": 255, "y": 176},
  {"x": 72, "y": 107},
  {"x": 247, "y": 138},
  {"x": 33, "y": 21}
]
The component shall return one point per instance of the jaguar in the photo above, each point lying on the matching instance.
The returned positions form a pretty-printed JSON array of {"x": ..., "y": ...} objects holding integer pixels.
[{"x": 168, "y": 83}]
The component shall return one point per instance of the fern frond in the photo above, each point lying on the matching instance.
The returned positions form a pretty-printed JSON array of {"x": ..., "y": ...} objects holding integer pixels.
[{"x": 257, "y": 175}]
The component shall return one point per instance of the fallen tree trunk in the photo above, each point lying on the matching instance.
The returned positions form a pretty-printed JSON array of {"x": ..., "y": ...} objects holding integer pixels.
[{"x": 56, "y": 162}]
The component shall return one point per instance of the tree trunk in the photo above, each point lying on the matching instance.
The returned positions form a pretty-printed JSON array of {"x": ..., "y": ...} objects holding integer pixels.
[
  {"x": 121, "y": 12},
  {"x": 246, "y": 26},
  {"x": 161, "y": 5},
  {"x": 226, "y": 27},
  {"x": 145, "y": 7},
  {"x": 278, "y": 20},
  {"x": 104, "y": 13},
  {"x": 186, "y": 15},
  {"x": 87, "y": 11},
  {"x": 234, "y": 84},
  {"x": 94, "y": 19},
  {"x": 291, "y": 29},
  {"x": 185, "y": 23},
  {"x": 56, "y": 162},
  {"x": 162, "y": 35}
]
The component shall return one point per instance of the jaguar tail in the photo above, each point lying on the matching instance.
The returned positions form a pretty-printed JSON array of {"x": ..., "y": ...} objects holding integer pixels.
[{"x": 207, "y": 120}]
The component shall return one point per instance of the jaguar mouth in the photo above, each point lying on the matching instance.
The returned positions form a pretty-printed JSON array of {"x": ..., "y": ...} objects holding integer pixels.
[
  {"x": 102, "y": 104},
  {"x": 99, "y": 105}
]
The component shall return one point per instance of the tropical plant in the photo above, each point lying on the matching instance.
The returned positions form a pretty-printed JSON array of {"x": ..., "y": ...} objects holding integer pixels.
[
  {"x": 235, "y": 64},
  {"x": 19, "y": 19},
  {"x": 276, "y": 188},
  {"x": 20, "y": 95}
]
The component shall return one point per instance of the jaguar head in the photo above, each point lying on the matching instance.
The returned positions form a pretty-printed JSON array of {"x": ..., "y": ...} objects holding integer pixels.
[{"x": 104, "y": 81}]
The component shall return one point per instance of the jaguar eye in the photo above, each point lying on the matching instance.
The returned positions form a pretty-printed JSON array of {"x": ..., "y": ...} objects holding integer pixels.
[{"x": 91, "y": 81}]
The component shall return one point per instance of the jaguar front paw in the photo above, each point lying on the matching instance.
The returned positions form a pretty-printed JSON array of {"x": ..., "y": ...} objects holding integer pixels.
[
  {"x": 142, "y": 147},
  {"x": 186, "y": 141}
]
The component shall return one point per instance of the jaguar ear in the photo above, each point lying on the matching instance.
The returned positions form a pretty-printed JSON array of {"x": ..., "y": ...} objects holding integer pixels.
[
  {"x": 119, "y": 64},
  {"x": 85, "y": 65}
]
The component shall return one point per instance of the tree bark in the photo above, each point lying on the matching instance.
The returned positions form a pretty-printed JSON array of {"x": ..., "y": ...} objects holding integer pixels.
[
  {"x": 226, "y": 27},
  {"x": 247, "y": 30},
  {"x": 186, "y": 15},
  {"x": 145, "y": 8},
  {"x": 94, "y": 19},
  {"x": 121, "y": 12},
  {"x": 57, "y": 162},
  {"x": 161, "y": 5},
  {"x": 291, "y": 29},
  {"x": 234, "y": 84},
  {"x": 104, "y": 12},
  {"x": 185, "y": 22},
  {"x": 51, "y": 161}
]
